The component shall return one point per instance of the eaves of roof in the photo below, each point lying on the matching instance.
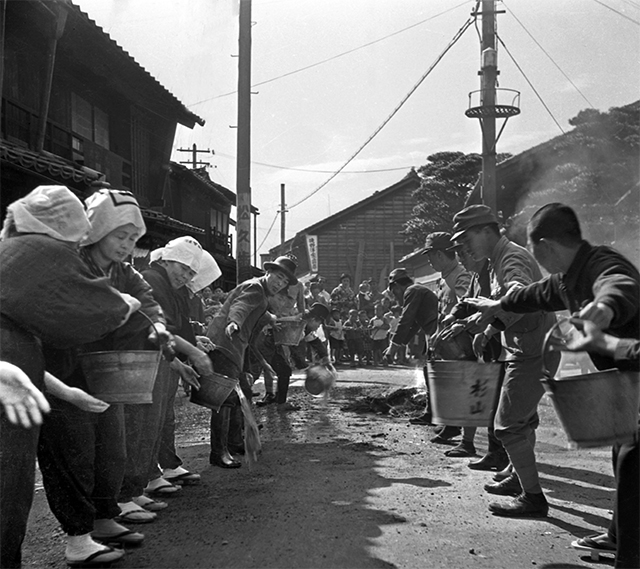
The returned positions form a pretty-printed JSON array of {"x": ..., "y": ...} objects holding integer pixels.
[
  {"x": 47, "y": 165},
  {"x": 186, "y": 117},
  {"x": 166, "y": 221},
  {"x": 204, "y": 182}
]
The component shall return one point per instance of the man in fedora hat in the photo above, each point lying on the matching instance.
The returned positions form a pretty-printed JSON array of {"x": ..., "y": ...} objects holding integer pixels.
[
  {"x": 516, "y": 419},
  {"x": 419, "y": 313},
  {"x": 243, "y": 312},
  {"x": 598, "y": 285}
]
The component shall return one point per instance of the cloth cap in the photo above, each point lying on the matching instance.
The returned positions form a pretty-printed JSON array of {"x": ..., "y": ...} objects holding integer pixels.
[
  {"x": 209, "y": 271},
  {"x": 49, "y": 210},
  {"x": 318, "y": 310},
  {"x": 398, "y": 274},
  {"x": 440, "y": 240},
  {"x": 185, "y": 250},
  {"x": 345, "y": 276},
  {"x": 109, "y": 209},
  {"x": 471, "y": 216},
  {"x": 284, "y": 264}
]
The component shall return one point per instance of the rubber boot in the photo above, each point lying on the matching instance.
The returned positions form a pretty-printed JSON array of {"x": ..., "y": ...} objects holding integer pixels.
[
  {"x": 236, "y": 429},
  {"x": 220, "y": 455}
]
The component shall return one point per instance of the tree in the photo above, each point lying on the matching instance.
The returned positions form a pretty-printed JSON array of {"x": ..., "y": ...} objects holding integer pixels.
[{"x": 447, "y": 178}]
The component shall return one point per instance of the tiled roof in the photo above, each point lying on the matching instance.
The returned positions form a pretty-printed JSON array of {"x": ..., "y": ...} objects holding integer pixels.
[{"x": 44, "y": 164}]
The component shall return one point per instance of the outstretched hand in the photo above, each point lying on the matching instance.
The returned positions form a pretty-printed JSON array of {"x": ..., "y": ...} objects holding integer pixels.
[{"x": 22, "y": 401}]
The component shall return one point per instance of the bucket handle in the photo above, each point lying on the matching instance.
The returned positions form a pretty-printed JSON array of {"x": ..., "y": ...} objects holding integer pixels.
[
  {"x": 546, "y": 347},
  {"x": 164, "y": 347}
]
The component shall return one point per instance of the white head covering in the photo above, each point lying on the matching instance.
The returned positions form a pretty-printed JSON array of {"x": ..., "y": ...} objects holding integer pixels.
[
  {"x": 109, "y": 209},
  {"x": 185, "y": 250},
  {"x": 209, "y": 272},
  {"x": 50, "y": 210}
]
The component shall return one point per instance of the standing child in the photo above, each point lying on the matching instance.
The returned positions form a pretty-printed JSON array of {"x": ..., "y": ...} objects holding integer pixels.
[
  {"x": 336, "y": 336},
  {"x": 365, "y": 330},
  {"x": 353, "y": 335},
  {"x": 379, "y": 331}
]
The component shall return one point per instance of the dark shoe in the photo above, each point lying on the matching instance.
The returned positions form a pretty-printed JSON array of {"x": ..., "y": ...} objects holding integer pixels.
[
  {"x": 268, "y": 398},
  {"x": 490, "y": 461},
  {"x": 508, "y": 487},
  {"x": 236, "y": 449},
  {"x": 444, "y": 437},
  {"x": 527, "y": 505},
  {"x": 424, "y": 419},
  {"x": 224, "y": 461},
  {"x": 504, "y": 473},
  {"x": 464, "y": 449}
]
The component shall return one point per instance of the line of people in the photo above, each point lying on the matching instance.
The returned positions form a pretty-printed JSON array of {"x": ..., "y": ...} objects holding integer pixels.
[{"x": 509, "y": 299}]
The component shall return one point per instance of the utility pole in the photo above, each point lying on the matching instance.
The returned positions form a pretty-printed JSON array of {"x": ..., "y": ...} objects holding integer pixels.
[
  {"x": 489, "y": 74},
  {"x": 283, "y": 210},
  {"x": 243, "y": 163},
  {"x": 194, "y": 156}
]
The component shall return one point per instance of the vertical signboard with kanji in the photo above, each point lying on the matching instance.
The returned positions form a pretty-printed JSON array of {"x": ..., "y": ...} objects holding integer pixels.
[{"x": 312, "y": 251}]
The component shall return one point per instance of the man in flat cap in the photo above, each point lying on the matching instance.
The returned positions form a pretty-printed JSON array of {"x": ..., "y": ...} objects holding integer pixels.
[
  {"x": 453, "y": 285},
  {"x": 419, "y": 312},
  {"x": 513, "y": 267}
]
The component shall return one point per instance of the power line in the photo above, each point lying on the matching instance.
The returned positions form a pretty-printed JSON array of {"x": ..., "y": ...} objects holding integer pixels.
[
  {"x": 333, "y": 57},
  {"x": 269, "y": 231},
  {"x": 551, "y": 58},
  {"x": 457, "y": 36},
  {"x": 619, "y": 13},
  {"x": 317, "y": 171},
  {"x": 530, "y": 84}
]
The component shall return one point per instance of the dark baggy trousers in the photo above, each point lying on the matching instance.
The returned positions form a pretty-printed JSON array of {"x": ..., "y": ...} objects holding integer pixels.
[{"x": 82, "y": 457}]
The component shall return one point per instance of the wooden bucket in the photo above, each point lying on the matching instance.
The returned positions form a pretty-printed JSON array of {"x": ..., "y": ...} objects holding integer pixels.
[
  {"x": 121, "y": 376},
  {"x": 595, "y": 409},
  {"x": 463, "y": 393},
  {"x": 214, "y": 390},
  {"x": 288, "y": 332}
]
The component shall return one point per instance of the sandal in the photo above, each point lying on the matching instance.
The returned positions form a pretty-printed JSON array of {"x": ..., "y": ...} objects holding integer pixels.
[
  {"x": 161, "y": 488},
  {"x": 106, "y": 555},
  {"x": 595, "y": 544},
  {"x": 180, "y": 476},
  {"x": 127, "y": 537},
  {"x": 149, "y": 504},
  {"x": 131, "y": 513}
]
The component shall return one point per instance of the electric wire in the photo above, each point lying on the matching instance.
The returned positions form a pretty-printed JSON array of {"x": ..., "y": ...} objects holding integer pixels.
[
  {"x": 456, "y": 37},
  {"x": 268, "y": 231},
  {"x": 316, "y": 171},
  {"x": 549, "y": 56},
  {"x": 617, "y": 12},
  {"x": 289, "y": 73},
  {"x": 530, "y": 84}
]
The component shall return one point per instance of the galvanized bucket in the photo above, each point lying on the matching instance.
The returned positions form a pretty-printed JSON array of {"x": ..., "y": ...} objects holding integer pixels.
[
  {"x": 214, "y": 390},
  {"x": 288, "y": 332},
  {"x": 319, "y": 379},
  {"x": 463, "y": 393},
  {"x": 122, "y": 376},
  {"x": 595, "y": 409}
]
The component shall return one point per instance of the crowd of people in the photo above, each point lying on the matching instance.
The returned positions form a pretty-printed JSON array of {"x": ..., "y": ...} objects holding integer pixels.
[{"x": 67, "y": 289}]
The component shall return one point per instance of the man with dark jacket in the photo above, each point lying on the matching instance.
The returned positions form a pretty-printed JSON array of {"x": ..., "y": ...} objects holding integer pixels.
[{"x": 597, "y": 284}]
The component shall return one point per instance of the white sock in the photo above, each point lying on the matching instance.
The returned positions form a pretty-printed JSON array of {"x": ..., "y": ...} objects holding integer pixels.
[{"x": 79, "y": 547}]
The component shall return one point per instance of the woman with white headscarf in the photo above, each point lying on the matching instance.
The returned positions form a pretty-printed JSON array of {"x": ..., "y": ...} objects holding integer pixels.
[
  {"x": 173, "y": 267},
  {"x": 47, "y": 295}
]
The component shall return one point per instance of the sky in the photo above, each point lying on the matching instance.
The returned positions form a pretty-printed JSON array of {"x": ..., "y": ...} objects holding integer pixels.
[{"x": 315, "y": 105}]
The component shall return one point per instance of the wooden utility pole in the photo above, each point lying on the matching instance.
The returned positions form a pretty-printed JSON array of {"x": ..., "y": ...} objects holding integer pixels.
[
  {"x": 194, "y": 156},
  {"x": 283, "y": 211},
  {"x": 243, "y": 163},
  {"x": 489, "y": 74}
]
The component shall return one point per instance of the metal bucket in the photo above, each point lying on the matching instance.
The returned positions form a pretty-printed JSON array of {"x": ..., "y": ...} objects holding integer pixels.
[
  {"x": 214, "y": 390},
  {"x": 595, "y": 409},
  {"x": 319, "y": 379},
  {"x": 288, "y": 332},
  {"x": 463, "y": 393},
  {"x": 121, "y": 376}
]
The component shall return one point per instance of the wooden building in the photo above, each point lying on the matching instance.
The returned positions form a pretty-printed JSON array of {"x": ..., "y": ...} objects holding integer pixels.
[
  {"x": 363, "y": 240},
  {"x": 79, "y": 111}
]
